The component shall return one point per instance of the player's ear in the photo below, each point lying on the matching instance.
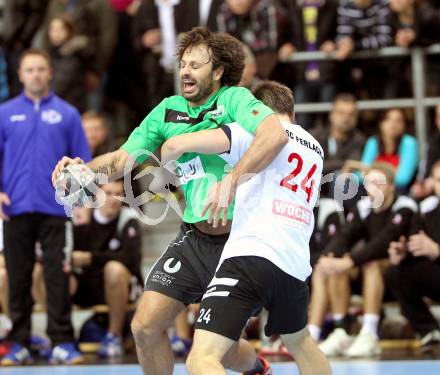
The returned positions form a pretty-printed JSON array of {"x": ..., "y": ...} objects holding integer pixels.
[{"x": 218, "y": 73}]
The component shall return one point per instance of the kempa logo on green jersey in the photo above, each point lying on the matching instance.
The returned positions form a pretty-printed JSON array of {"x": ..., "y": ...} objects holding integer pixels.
[{"x": 220, "y": 111}]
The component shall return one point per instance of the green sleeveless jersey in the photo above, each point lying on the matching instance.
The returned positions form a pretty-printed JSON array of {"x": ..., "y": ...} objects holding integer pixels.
[{"x": 174, "y": 116}]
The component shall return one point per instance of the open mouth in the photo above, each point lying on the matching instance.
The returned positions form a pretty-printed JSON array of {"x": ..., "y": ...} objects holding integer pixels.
[{"x": 188, "y": 87}]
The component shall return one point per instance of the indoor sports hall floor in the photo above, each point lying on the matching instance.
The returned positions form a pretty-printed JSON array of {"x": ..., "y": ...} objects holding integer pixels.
[{"x": 426, "y": 367}]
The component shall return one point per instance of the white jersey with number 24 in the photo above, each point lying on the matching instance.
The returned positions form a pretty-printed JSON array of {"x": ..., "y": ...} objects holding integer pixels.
[{"x": 273, "y": 216}]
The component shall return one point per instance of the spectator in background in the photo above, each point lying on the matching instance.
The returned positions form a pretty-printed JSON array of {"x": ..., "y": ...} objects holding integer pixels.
[
  {"x": 22, "y": 18},
  {"x": 415, "y": 273},
  {"x": 106, "y": 263},
  {"x": 393, "y": 146},
  {"x": 378, "y": 220},
  {"x": 341, "y": 141},
  {"x": 70, "y": 55},
  {"x": 156, "y": 26},
  {"x": 414, "y": 22},
  {"x": 96, "y": 20},
  {"x": 124, "y": 85},
  {"x": 249, "y": 77},
  {"x": 329, "y": 216},
  {"x": 311, "y": 27},
  {"x": 424, "y": 185},
  {"x": 363, "y": 25},
  {"x": 2, "y": 18},
  {"x": 4, "y": 86},
  {"x": 257, "y": 23},
  {"x": 48, "y": 128},
  {"x": 97, "y": 133}
]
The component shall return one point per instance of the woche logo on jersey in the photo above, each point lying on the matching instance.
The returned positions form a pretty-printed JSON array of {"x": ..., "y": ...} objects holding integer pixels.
[{"x": 291, "y": 211}]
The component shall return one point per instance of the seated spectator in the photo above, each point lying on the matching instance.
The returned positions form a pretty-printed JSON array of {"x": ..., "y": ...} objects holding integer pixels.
[
  {"x": 363, "y": 25},
  {"x": 329, "y": 218},
  {"x": 415, "y": 273},
  {"x": 106, "y": 264},
  {"x": 70, "y": 55},
  {"x": 392, "y": 145},
  {"x": 377, "y": 220},
  {"x": 256, "y": 23},
  {"x": 311, "y": 27},
  {"x": 97, "y": 133},
  {"x": 423, "y": 186}
]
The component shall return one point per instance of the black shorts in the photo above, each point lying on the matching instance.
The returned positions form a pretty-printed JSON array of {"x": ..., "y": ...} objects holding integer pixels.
[
  {"x": 244, "y": 285},
  {"x": 91, "y": 290},
  {"x": 187, "y": 266}
]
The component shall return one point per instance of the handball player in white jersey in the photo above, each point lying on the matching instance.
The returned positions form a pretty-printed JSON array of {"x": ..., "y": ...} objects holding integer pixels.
[{"x": 266, "y": 260}]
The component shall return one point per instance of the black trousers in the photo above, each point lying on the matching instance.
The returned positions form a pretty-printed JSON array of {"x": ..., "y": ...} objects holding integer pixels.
[
  {"x": 54, "y": 233},
  {"x": 410, "y": 282}
]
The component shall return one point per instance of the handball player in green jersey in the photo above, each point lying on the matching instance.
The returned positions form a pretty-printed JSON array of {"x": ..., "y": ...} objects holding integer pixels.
[{"x": 210, "y": 67}]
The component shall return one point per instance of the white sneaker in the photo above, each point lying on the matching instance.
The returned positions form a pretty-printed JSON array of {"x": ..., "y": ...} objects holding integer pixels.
[
  {"x": 365, "y": 345},
  {"x": 336, "y": 343}
]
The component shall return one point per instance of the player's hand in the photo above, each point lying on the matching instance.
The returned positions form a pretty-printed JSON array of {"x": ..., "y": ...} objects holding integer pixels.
[
  {"x": 63, "y": 163},
  {"x": 397, "y": 251},
  {"x": 218, "y": 200},
  {"x": 4, "y": 200},
  {"x": 81, "y": 258},
  {"x": 420, "y": 245}
]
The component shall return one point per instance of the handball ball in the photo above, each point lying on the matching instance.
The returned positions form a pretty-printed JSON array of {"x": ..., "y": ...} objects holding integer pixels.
[{"x": 76, "y": 186}]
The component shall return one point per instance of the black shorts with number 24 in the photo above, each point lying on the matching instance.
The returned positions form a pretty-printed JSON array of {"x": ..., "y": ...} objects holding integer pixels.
[{"x": 241, "y": 287}]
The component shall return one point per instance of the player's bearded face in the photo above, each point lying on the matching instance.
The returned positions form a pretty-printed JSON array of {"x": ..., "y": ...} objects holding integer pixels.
[{"x": 196, "y": 75}]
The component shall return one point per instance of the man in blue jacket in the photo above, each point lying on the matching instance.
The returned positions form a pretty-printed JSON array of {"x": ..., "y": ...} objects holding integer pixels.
[{"x": 36, "y": 129}]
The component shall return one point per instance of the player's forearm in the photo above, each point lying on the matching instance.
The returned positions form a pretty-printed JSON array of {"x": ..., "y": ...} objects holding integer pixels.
[
  {"x": 203, "y": 142},
  {"x": 171, "y": 150},
  {"x": 111, "y": 164},
  {"x": 269, "y": 139}
]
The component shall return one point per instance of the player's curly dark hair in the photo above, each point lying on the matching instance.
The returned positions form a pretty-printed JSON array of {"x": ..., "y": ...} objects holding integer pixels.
[{"x": 224, "y": 49}]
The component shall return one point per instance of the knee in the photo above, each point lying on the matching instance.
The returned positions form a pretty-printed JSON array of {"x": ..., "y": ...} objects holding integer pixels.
[
  {"x": 144, "y": 328},
  {"x": 191, "y": 362},
  {"x": 294, "y": 342},
  {"x": 197, "y": 360},
  {"x": 3, "y": 277},
  {"x": 318, "y": 279},
  {"x": 114, "y": 273}
]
